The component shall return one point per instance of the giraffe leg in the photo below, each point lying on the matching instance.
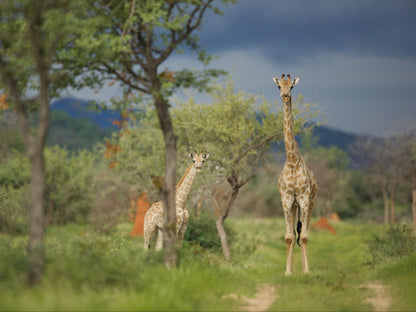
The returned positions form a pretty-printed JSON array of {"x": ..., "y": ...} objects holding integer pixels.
[
  {"x": 159, "y": 240},
  {"x": 304, "y": 217},
  {"x": 149, "y": 230},
  {"x": 290, "y": 235},
  {"x": 182, "y": 230}
]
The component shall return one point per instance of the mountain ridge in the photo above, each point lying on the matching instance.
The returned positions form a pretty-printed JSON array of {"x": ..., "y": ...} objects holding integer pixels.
[{"x": 104, "y": 118}]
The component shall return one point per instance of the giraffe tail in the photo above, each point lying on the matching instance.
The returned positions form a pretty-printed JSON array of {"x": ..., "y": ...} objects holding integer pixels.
[{"x": 299, "y": 226}]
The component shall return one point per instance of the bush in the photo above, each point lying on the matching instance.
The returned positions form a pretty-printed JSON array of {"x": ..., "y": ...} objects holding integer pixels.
[
  {"x": 69, "y": 185},
  {"x": 395, "y": 241},
  {"x": 13, "y": 210},
  {"x": 202, "y": 230},
  {"x": 15, "y": 171}
]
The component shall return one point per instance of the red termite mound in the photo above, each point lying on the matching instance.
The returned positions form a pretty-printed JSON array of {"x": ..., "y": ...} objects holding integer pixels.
[
  {"x": 142, "y": 206},
  {"x": 323, "y": 224}
]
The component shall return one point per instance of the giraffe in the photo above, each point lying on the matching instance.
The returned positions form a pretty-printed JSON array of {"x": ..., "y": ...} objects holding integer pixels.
[
  {"x": 297, "y": 183},
  {"x": 154, "y": 217}
]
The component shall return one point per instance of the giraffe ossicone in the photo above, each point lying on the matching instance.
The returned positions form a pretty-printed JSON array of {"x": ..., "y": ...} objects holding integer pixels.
[
  {"x": 297, "y": 183},
  {"x": 154, "y": 217}
]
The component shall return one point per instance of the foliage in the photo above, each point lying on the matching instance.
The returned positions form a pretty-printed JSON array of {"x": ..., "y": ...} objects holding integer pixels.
[
  {"x": 13, "y": 210},
  {"x": 10, "y": 138},
  {"x": 130, "y": 40},
  {"x": 14, "y": 180},
  {"x": 136, "y": 155},
  {"x": 396, "y": 241},
  {"x": 15, "y": 171},
  {"x": 69, "y": 185},
  {"x": 201, "y": 230},
  {"x": 236, "y": 129}
]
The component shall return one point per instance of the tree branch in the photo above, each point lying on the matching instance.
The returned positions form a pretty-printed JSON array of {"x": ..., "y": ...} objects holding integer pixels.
[{"x": 255, "y": 146}]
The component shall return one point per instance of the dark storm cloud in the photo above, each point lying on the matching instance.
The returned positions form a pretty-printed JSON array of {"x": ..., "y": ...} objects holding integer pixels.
[{"x": 295, "y": 29}]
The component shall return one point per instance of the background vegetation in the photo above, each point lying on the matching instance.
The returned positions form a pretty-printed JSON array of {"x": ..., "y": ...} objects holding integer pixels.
[{"x": 79, "y": 183}]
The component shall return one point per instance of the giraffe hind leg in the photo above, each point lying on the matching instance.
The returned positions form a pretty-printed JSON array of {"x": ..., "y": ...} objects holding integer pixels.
[
  {"x": 148, "y": 234},
  {"x": 304, "y": 218},
  {"x": 159, "y": 240}
]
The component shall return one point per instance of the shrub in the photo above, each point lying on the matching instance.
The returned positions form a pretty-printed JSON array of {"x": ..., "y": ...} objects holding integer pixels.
[
  {"x": 394, "y": 242},
  {"x": 13, "y": 210},
  {"x": 202, "y": 230},
  {"x": 15, "y": 171},
  {"x": 69, "y": 185}
]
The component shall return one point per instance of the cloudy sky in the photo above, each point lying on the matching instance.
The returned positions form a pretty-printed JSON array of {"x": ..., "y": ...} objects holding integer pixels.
[{"x": 356, "y": 59}]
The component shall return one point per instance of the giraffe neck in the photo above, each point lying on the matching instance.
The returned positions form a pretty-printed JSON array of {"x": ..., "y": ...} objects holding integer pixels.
[
  {"x": 184, "y": 186},
  {"x": 292, "y": 149}
]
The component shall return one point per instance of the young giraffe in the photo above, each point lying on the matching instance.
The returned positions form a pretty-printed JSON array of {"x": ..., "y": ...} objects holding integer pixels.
[
  {"x": 154, "y": 217},
  {"x": 297, "y": 183}
]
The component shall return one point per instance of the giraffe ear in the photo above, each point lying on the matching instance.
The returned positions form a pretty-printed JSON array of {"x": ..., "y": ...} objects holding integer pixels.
[
  {"x": 295, "y": 81},
  {"x": 276, "y": 81},
  {"x": 206, "y": 156},
  {"x": 191, "y": 155}
]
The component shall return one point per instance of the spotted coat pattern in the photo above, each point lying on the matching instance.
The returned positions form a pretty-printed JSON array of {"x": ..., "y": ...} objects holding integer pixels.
[
  {"x": 154, "y": 217},
  {"x": 297, "y": 183}
]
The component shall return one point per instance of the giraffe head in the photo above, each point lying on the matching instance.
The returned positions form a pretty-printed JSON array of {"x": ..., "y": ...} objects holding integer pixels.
[
  {"x": 198, "y": 160},
  {"x": 285, "y": 86}
]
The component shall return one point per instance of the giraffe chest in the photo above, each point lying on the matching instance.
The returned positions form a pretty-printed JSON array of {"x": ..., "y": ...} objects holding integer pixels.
[{"x": 294, "y": 181}]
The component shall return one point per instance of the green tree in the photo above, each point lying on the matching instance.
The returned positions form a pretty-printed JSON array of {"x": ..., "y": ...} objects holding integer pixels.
[
  {"x": 236, "y": 130},
  {"x": 129, "y": 41},
  {"x": 31, "y": 35}
]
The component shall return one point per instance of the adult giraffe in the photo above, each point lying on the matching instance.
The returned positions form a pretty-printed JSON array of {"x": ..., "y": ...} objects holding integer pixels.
[{"x": 297, "y": 183}]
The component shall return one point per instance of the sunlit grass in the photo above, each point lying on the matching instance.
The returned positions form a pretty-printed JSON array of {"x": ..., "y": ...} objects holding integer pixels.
[{"x": 87, "y": 270}]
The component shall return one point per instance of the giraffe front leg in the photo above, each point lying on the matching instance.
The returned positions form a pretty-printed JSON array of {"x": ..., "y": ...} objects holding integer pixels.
[
  {"x": 182, "y": 230},
  {"x": 290, "y": 235}
]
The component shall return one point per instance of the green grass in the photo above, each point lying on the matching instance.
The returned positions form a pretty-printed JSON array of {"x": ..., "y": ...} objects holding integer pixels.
[{"x": 86, "y": 270}]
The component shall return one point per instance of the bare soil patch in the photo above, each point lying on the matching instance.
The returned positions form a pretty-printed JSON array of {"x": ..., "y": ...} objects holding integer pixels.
[
  {"x": 382, "y": 299},
  {"x": 262, "y": 300}
]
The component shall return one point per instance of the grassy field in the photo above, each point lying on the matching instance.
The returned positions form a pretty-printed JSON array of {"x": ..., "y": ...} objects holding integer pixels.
[{"x": 91, "y": 271}]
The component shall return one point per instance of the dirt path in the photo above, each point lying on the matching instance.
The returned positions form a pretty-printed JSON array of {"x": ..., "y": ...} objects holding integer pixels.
[
  {"x": 262, "y": 300},
  {"x": 382, "y": 299}
]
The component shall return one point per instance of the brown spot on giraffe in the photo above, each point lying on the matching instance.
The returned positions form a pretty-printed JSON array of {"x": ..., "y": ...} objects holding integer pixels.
[
  {"x": 154, "y": 218},
  {"x": 302, "y": 193}
]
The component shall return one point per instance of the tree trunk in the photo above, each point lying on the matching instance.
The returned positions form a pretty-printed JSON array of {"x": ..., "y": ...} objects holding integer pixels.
[
  {"x": 226, "y": 205},
  {"x": 414, "y": 199},
  {"x": 386, "y": 203},
  {"x": 169, "y": 231},
  {"x": 393, "y": 204},
  {"x": 223, "y": 238},
  {"x": 35, "y": 248}
]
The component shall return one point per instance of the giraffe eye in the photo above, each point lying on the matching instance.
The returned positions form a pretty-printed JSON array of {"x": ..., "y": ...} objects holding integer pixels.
[{"x": 278, "y": 87}]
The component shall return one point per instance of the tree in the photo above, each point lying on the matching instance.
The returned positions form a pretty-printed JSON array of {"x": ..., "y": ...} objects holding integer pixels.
[
  {"x": 373, "y": 158},
  {"x": 329, "y": 165},
  {"x": 236, "y": 129},
  {"x": 31, "y": 35},
  {"x": 129, "y": 41},
  {"x": 405, "y": 143}
]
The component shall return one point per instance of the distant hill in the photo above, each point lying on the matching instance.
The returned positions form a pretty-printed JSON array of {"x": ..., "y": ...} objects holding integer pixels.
[
  {"x": 328, "y": 137},
  {"x": 89, "y": 116},
  {"x": 81, "y": 109}
]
